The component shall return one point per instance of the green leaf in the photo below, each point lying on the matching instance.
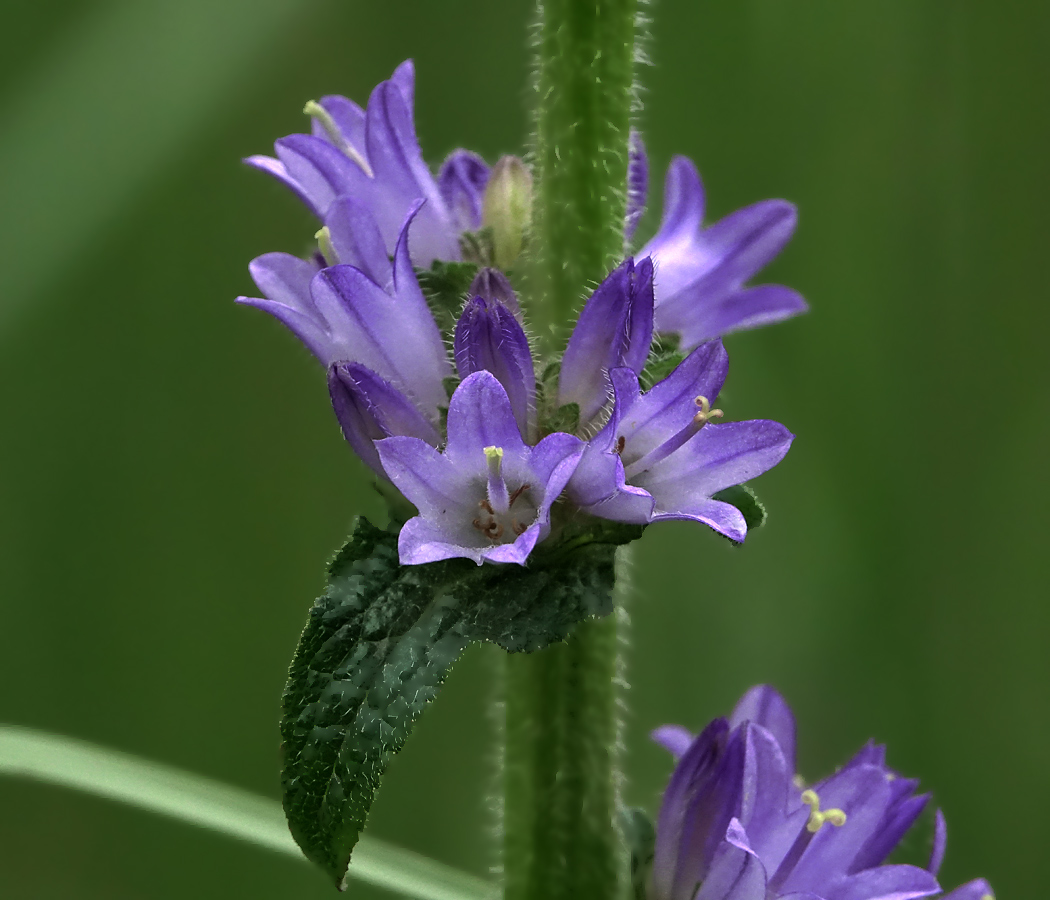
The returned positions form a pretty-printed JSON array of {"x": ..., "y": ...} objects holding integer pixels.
[
  {"x": 744, "y": 499},
  {"x": 445, "y": 286},
  {"x": 158, "y": 788},
  {"x": 379, "y": 643}
]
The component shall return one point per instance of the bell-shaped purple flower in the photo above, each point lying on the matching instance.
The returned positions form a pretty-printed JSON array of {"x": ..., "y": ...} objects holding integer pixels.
[
  {"x": 701, "y": 272},
  {"x": 369, "y": 409},
  {"x": 735, "y": 825},
  {"x": 659, "y": 458},
  {"x": 488, "y": 338},
  {"x": 615, "y": 329},
  {"x": 373, "y": 316},
  {"x": 488, "y": 496},
  {"x": 373, "y": 156}
]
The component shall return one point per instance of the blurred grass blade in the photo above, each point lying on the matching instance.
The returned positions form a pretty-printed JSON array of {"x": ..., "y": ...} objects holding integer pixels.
[
  {"x": 108, "y": 106},
  {"x": 162, "y": 789}
]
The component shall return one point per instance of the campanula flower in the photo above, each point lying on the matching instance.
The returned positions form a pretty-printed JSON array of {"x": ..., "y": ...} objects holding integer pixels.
[
  {"x": 659, "y": 457},
  {"x": 374, "y": 315},
  {"x": 737, "y": 824},
  {"x": 701, "y": 272},
  {"x": 488, "y": 495},
  {"x": 373, "y": 156}
]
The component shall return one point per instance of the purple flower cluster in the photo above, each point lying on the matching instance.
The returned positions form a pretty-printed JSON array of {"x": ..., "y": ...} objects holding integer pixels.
[
  {"x": 737, "y": 823},
  {"x": 485, "y": 466}
]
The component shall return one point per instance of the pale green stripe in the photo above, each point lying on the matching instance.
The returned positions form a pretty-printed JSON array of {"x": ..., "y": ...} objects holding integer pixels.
[
  {"x": 112, "y": 103},
  {"x": 220, "y": 807}
]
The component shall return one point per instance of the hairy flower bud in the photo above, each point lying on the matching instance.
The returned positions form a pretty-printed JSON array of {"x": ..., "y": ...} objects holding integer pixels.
[{"x": 507, "y": 209}]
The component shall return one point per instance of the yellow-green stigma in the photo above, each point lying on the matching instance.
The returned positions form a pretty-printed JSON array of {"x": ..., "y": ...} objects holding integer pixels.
[
  {"x": 324, "y": 118},
  {"x": 817, "y": 816},
  {"x": 705, "y": 414}
]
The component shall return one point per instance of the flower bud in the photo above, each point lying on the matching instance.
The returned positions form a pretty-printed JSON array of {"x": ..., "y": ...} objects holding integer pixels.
[
  {"x": 507, "y": 209},
  {"x": 492, "y": 284}
]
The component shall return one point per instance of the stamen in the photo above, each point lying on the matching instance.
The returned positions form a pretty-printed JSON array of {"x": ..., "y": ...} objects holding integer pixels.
[
  {"x": 621, "y": 441},
  {"x": 706, "y": 413},
  {"x": 485, "y": 505},
  {"x": 518, "y": 527},
  {"x": 327, "y": 248},
  {"x": 521, "y": 490},
  {"x": 496, "y": 487},
  {"x": 324, "y": 118}
]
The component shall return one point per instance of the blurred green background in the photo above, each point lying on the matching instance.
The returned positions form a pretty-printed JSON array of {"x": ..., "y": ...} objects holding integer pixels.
[{"x": 173, "y": 481}]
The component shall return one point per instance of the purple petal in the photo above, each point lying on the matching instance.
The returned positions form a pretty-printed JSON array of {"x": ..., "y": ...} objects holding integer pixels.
[
  {"x": 886, "y": 883},
  {"x": 747, "y": 240},
  {"x": 422, "y": 541},
  {"x": 898, "y": 819},
  {"x": 369, "y": 408},
  {"x": 614, "y": 329},
  {"x": 720, "y": 456},
  {"x": 637, "y": 184},
  {"x": 673, "y": 738},
  {"x": 480, "y": 416},
  {"x": 940, "y": 842},
  {"x": 402, "y": 178},
  {"x": 772, "y": 822},
  {"x": 600, "y": 473},
  {"x": 703, "y": 315},
  {"x": 321, "y": 171},
  {"x": 736, "y": 872},
  {"x": 973, "y": 890},
  {"x": 683, "y": 212},
  {"x": 462, "y": 181},
  {"x": 489, "y": 338},
  {"x": 277, "y": 169},
  {"x": 357, "y": 240},
  {"x": 492, "y": 284},
  {"x": 693, "y": 773},
  {"x": 552, "y": 462},
  {"x": 724, "y": 518},
  {"x": 708, "y": 815},
  {"x": 765, "y": 706},
  {"x": 404, "y": 79},
  {"x": 430, "y": 482},
  {"x": 285, "y": 279}
]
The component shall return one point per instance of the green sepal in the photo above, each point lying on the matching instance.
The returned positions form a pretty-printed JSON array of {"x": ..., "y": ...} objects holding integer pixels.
[
  {"x": 640, "y": 837},
  {"x": 664, "y": 357},
  {"x": 744, "y": 499},
  {"x": 379, "y": 643},
  {"x": 445, "y": 286},
  {"x": 565, "y": 418}
]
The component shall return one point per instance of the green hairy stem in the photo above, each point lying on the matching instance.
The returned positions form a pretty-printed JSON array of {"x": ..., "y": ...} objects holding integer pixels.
[
  {"x": 561, "y": 837},
  {"x": 585, "y": 94}
]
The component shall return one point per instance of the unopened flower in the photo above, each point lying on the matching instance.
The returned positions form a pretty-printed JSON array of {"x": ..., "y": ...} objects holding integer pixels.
[
  {"x": 615, "y": 329},
  {"x": 488, "y": 495},
  {"x": 373, "y": 156},
  {"x": 488, "y": 338},
  {"x": 658, "y": 457},
  {"x": 736, "y": 824},
  {"x": 701, "y": 272}
]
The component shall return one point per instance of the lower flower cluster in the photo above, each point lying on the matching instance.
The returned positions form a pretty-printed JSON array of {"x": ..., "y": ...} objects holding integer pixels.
[{"x": 737, "y": 823}]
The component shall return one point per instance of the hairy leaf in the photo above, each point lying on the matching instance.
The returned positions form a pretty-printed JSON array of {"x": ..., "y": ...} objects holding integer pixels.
[
  {"x": 445, "y": 286},
  {"x": 378, "y": 645}
]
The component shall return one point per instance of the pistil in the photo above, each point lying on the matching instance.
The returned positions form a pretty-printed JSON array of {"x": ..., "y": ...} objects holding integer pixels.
[
  {"x": 816, "y": 820},
  {"x": 703, "y": 416},
  {"x": 324, "y": 118}
]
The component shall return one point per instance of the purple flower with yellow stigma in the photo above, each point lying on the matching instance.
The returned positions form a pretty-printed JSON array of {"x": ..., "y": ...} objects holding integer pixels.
[
  {"x": 701, "y": 272},
  {"x": 658, "y": 457},
  {"x": 735, "y": 824},
  {"x": 488, "y": 495}
]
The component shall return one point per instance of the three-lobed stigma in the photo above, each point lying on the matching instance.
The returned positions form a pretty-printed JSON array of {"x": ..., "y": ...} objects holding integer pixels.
[{"x": 817, "y": 816}]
